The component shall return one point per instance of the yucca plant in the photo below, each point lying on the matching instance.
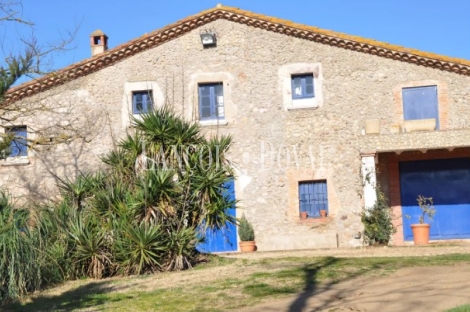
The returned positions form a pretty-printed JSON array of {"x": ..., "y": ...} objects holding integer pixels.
[
  {"x": 78, "y": 189},
  {"x": 139, "y": 248},
  {"x": 90, "y": 247},
  {"x": 180, "y": 248}
]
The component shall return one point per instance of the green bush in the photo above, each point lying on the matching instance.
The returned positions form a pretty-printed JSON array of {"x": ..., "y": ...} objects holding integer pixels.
[
  {"x": 140, "y": 216},
  {"x": 20, "y": 269},
  {"x": 245, "y": 230},
  {"x": 378, "y": 222}
]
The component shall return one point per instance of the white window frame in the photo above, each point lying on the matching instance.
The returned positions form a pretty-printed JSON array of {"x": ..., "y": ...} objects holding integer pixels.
[
  {"x": 139, "y": 86},
  {"x": 230, "y": 108},
  {"x": 285, "y": 74}
]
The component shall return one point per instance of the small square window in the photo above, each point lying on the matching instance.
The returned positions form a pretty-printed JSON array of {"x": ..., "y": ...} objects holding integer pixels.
[
  {"x": 302, "y": 86},
  {"x": 313, "y": 197},
  {"x": 142, "y": 102},
  {"x": 211, "y": 101},
  {"x": 18, "y": 146}
]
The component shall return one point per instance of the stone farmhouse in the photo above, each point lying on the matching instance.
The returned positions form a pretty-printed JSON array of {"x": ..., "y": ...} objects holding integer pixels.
[{"x": 319, "y": 119}]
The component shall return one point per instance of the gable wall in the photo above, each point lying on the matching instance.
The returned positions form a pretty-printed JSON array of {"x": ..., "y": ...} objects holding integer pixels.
[{"x": 355, "y": 87}]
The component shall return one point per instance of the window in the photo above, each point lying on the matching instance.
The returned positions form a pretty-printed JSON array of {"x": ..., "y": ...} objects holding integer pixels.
[
  {"x": 302, "y": 86},
  {"x": 18, "y": 147},
  {"x": 420, "y": 103},
  {"x": 313, "y": 197},
  {"x": 211, "y": 101},
  {"x": 142, "y": 102}
]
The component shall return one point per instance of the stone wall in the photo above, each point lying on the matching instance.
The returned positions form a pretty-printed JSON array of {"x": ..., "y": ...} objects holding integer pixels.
[{"x": 275, "y": 146}]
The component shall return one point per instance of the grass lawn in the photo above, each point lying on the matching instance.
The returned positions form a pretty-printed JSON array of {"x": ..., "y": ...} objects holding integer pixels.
[
  {"x": 219, "y": 284},
  {"x": 464, "y": 308}
]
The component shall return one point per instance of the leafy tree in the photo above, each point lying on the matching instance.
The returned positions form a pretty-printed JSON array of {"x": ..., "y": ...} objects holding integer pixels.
[{"x": 29, "y": 59}]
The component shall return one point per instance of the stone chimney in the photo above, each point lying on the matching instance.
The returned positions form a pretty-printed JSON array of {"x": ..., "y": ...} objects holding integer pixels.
[{"x": 98, "y": 42}]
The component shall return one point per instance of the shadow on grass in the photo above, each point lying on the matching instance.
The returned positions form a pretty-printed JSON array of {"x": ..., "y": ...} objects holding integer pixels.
[
  {"x": 82, "y": 297},
  {"x": 310, "y": 280},
  {"x": 327, "y": 269}
]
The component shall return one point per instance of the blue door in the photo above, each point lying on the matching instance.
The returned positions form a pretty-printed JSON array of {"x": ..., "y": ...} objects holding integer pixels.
[
  {"x": 447, "y": 181},
  {"x": 224, "y": 239}
]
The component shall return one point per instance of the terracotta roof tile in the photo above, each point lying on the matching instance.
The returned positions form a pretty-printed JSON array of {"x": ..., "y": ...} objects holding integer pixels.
[{"x": 167, "y": 33}]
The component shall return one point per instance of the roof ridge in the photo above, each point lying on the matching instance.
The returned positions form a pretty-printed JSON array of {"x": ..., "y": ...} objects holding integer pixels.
[{"x": 274, "y": 24}]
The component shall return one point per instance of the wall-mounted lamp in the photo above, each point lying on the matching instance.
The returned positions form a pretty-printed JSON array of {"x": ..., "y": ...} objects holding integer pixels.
[{"x": 208, "y": 39}]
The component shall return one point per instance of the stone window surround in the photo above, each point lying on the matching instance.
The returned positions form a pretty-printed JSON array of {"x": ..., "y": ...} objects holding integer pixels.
[
  {"x": 132, "y": 86},
  {"x": 285, "y": 74},
  {"x": 442, "y": 100},
  {"x": 294, "y": 176},
  {"x": 230, "y": 110},
  {"x": 18, "y": 160}
]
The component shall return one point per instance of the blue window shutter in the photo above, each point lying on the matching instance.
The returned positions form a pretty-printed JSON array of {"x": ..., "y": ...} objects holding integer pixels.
[
  {"x": 142, "y": 102},
  {"x": 297, "y": 89},
  {"x": 303, "y": 196},
  {"x": 19, "y": 147},
  {"x": 313, "y": 197},
  {"x": 309, "y": 91},
  {"x": 211, "y": 101},
  {"x": 147, "y": 101},
  {"x": 302, "y": 86},
  {"x": 136, "y": 103},
  {"x": 420, "y": 103},
  {"x": 205, "y": 102}
]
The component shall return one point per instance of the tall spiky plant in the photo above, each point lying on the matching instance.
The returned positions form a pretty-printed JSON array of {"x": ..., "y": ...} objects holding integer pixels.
[{"x": 20, "y": 270}]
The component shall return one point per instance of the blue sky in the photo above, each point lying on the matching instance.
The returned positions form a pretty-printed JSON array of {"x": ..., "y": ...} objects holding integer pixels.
[{"x": 420, "y": 24}]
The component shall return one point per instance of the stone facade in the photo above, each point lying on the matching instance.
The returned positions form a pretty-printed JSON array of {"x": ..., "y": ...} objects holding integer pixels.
[{"x": 276, "y": 146}]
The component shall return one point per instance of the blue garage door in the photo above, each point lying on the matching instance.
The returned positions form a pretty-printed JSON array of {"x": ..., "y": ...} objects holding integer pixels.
[
  {"x": 447, "y": 181},
  {"x": 224, "y": 239}
]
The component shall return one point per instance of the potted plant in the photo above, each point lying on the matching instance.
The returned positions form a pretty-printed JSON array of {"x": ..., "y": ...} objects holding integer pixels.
[
  {"x": 247, "y": 235},
  {"x": 303, "y": 215},
  {"x": 323, "y": 213},
  {"x": 421, "y": 229}
]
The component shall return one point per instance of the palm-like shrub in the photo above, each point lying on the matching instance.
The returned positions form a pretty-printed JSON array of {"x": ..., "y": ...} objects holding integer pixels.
[
  {"x": 140, "y": 248},
  {"x": 163, "y": 184}
]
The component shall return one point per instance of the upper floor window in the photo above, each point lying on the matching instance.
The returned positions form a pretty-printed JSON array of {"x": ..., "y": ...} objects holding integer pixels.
[
  {"x": 421, "y": 103},
  {"x": 302, "y": 86},
  {"x": 211, "y": 101},
  {"x": 313, "y": 197},
  {"x": 142, "y": 102},
  {"x": 18, "y": 146}
]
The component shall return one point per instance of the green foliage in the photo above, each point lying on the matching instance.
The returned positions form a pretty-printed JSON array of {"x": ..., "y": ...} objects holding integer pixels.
[
  {"x": 427, "y": 207},
  {"x": 378, "y": 222},
  {"x": 245, "y": 230},
  {"x": 90, "y": 252},
  {"x": 14, "y": 69},
  {"x": 163, "y": 186},
  {"x": 140, "y": 248},
  {"x": 20, "y": 269}
]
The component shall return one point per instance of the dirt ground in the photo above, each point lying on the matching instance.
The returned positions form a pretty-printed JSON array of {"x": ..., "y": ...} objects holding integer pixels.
[
  {"x": 410, "y": 289},
  {"x": 433, "y": 249}
]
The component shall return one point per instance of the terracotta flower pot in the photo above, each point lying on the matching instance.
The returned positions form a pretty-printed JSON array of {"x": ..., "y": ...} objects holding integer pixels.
[
  {"x": 420, "y": 233},
  {"x": 303, "y": 215},
  {"x": 323, "y": 213},
  {"x": 248, "y": 246}
]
